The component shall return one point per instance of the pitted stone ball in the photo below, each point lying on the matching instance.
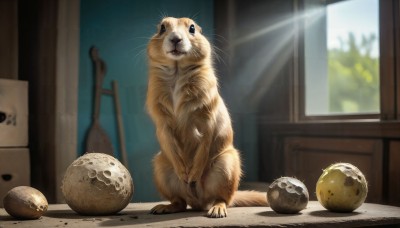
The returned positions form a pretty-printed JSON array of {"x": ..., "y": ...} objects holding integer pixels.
[
  {"x": 24, "y": 202},
  {"x": 342, "y": 187},
  {"x": 97, "y": 184},
  {"x": 287, "y": 195}
]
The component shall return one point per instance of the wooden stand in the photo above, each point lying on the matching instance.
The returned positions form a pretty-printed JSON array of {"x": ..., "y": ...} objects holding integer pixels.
[
  {"x": 137, "y": 215},
  {"x": 97, "y": 138}
]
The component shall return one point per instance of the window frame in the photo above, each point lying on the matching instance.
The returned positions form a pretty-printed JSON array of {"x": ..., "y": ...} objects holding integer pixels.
[{"x": 388, "y": 34}]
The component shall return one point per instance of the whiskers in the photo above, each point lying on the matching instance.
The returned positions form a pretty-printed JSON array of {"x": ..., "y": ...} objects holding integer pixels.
[
  {"x": 195, "y": 52},
  {"x": 217, "y": 52},
  {"x": 163, "y": 15},
  {"x": 194, "y": 16},
  {"x": 138, "y": 53}
]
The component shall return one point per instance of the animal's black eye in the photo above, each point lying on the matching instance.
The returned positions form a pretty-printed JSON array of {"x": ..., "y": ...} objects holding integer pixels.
[
  {"x": 162, "y": 29},
  {"x": 192, "y": 29}
]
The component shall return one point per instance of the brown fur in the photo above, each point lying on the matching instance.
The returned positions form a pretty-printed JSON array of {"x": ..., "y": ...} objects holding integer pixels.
[{"x": 197, "y": 164}]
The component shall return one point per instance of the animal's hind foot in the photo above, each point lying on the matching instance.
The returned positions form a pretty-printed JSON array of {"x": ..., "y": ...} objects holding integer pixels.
[{"x": 168, "y": 208}]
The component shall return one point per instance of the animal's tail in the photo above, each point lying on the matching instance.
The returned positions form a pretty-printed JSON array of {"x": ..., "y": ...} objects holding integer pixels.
[{"x": 249, "y": 199}]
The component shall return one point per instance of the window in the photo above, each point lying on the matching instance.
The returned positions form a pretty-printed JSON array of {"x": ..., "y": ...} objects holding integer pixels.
[{"x": 341, "y": 58}]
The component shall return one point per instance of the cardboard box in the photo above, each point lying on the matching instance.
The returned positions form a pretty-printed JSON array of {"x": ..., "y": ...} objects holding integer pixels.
[
  {"x": 13, "y": 113},
  {"x": 14, "y": 169}
]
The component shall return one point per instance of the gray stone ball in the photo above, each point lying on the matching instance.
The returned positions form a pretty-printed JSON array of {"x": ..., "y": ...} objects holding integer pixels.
[{"x": 287, "y": 195}]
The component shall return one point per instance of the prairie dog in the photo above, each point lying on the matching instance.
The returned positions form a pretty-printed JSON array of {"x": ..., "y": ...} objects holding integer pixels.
[{"x": 198, "y": 164}]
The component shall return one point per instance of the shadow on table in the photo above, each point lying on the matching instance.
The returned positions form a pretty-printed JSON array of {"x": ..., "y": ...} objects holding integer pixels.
[
  {"x": 274, "y": 214},
  {"x": 144, "y": 217},
  {"x": 320, "y": 213},
  {"x": 129, "y": 217},
  {"x": 9, "y": 218},
  {"x": 69, "y": 214},
  {"x": 326, "y": 213}
]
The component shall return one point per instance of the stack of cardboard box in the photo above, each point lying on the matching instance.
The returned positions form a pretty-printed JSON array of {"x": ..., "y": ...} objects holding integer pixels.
[{"x": 14, "y": 152}]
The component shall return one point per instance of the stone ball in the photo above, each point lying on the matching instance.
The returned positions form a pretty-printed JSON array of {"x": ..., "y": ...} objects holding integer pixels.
[
  {"x": 24, "y": 202},
  {"x": 97, "y": 184},
  {"x": 287, "y": 195},
  {"x": 342, "y": 187}
]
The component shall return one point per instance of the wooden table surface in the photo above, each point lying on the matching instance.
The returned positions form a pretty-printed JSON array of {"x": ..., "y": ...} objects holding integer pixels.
[{"x": 137, "y": 215}]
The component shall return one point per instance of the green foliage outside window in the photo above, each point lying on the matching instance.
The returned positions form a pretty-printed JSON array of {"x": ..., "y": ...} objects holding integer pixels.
[{"x": 354, "y": 76}]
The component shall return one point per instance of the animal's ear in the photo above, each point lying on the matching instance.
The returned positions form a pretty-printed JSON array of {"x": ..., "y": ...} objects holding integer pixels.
[{"x": 199, "y": 29}]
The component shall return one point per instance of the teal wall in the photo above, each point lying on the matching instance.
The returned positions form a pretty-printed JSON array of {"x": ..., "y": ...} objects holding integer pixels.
[{"x": 120, "y": 30}]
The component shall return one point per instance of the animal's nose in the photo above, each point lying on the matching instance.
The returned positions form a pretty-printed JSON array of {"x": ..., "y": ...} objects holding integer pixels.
[{"x": 175, "y": 40}]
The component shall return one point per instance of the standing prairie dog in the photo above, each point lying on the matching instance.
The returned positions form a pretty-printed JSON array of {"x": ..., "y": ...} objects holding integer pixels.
[{"x": 198, "y": 164}]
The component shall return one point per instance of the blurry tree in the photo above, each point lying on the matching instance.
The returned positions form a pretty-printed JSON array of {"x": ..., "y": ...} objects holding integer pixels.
[{"x": 354, "y": 76}]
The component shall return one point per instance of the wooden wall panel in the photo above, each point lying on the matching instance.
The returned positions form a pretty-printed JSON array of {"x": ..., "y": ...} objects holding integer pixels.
[
  {"x": 9, "y": 39},
  {"x": 48, "y": 50},
  {"x": 305, "y": 158},
  {"x": 394, "y": 173}
]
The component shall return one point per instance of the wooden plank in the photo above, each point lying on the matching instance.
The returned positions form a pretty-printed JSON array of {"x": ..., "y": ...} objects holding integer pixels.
[
  {"x": 120, "y": 124},
  {"x": 137, "y": 215},
  {"x": 9, "y": 39},
  {"x": 67, "y": 74},
  {"x": 394, "y": 173},
  {"x": 387, "y": 64},
  {"x": 49, "y": 41},
  {"x": 352, "y": 129},
  {"x": 396, "y": 12},
  {"x": 37, "y": 64}
]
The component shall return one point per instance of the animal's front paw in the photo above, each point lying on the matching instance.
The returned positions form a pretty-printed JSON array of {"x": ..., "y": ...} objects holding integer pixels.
[
  {"x": 167, "y": 209},
  {"x": 218, "y": 211}
]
